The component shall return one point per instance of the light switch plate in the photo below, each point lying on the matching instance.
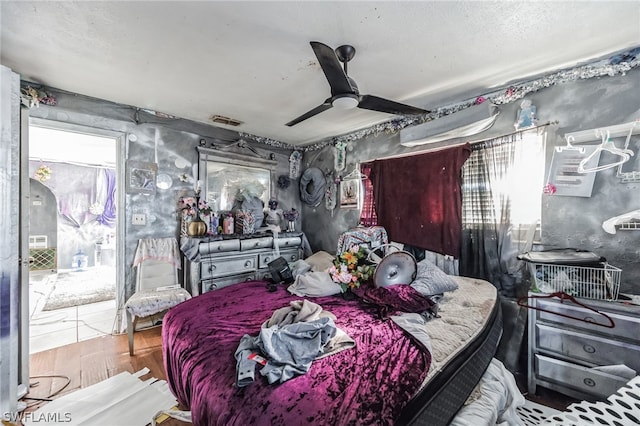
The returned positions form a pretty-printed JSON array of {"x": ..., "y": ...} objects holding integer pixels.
[{"x": 138, "y": 219}]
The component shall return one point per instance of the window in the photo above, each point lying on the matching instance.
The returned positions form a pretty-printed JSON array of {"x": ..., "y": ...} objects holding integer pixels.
[{"x": 503, "y": 180}]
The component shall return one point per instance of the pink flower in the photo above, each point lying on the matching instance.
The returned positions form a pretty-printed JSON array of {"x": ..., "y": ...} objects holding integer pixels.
[{"x": 549, "y": 189}]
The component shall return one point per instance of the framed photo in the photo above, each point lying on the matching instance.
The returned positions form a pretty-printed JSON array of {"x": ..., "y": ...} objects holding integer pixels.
[
  {"x": 141, "y": 177},
  {"x": 349, "y": 193}
]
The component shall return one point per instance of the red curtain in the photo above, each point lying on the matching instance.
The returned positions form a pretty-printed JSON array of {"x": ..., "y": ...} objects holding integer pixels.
[
  {"x": 418, "y": 198},
  {"x": 368, "y": 213}
]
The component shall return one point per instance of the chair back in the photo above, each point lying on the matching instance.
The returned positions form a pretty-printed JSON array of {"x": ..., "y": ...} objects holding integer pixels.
[
  {"x": 155, "y": 273},
  {"x": 157, "y": 261}
]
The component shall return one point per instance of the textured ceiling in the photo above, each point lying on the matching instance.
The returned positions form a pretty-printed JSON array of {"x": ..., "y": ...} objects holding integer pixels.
[{"x": 252, "y": 60}]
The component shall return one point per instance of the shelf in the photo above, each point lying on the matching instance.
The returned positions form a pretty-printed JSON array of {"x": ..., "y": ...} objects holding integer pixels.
[{"x": 595, "y": 134}]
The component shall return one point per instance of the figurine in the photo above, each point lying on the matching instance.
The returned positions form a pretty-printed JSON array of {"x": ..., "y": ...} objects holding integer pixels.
[
  {"x": 526, "y": 115},
  {"x": 273, "y": 215}
]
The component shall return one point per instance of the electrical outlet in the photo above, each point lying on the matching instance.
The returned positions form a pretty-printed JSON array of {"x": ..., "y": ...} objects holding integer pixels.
[{"x": 138, "y": 219}]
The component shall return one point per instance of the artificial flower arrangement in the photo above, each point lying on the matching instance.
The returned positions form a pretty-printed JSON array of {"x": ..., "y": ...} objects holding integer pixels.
[
  {"x": 31, "y": 97},
  {"x": 291, "y": 215},
  {"x": 43, "y": 173},
  {"x": 187, "y": 205},
  {"x": 350, "y": 268}
]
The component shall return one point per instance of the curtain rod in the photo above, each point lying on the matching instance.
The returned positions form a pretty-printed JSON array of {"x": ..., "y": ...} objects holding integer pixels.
[{"x": 409, "y": 154}]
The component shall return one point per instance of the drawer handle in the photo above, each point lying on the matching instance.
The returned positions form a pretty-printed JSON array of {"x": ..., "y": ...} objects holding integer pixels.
[
  {"x": 589, "y": 382},
  {"x": 212, "y": 268},
  {"x": 589, "y": 319},
  {"x": 589, "y": 349},
  {"x": 246, "y": 280},
  {"x": 267, "y": 259},
  {"x": 293, "y": 257},
  {"x": 247, "y": 263},
  {"x": 257, "y": 244},
  {"x": 286, "y": 243},
  {"x": 219, "y": 247}
]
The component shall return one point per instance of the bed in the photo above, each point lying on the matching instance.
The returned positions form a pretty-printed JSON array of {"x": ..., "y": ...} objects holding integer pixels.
[{"x": 387, "y": 378}]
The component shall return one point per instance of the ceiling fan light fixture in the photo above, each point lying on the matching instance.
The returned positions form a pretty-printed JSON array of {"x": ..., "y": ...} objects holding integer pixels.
[{"x": 345, "y": 102}]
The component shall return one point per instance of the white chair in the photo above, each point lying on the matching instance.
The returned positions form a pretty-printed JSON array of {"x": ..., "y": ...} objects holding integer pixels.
[{"x": 157, "y": 286}]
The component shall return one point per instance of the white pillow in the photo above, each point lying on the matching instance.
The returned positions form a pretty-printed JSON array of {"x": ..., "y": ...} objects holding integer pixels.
[
  {"x": 320, "y": 261},
  {"x": 314, "y": 284}
]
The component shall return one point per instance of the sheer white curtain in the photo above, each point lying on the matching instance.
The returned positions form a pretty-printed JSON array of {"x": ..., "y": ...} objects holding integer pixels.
[{"x": 501, "y": 196}]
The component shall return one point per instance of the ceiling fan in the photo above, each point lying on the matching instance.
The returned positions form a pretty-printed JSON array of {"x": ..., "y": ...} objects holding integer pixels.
[{"x": 344, "y": 91}]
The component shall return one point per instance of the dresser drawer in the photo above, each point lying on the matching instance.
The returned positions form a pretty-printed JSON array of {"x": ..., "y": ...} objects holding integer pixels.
[
  {"x": 579, "y": 378},
  {"x": 625, "y": 326},
  {"x": 256, "y": 243},
  {"x": 215, "y": 284},
  {"x": 265, "y": 258},
  {"x": 287, "y": 242},
  {"x": 588, "y": 348},
  {"x": 288, "y": 255},
  {"x": 220, "y": 246},
  {"x": 227, "y": 265}
]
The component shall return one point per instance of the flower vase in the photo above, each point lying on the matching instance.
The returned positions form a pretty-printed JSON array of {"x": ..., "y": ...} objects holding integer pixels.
[
  {"x": 292, "y": 226},
  {"x": 197, "y": 227},
  {"x": 348, "y": 294}
]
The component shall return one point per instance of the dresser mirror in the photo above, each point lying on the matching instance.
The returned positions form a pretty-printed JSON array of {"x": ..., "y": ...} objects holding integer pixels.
[{"x": 228, "y": 178}]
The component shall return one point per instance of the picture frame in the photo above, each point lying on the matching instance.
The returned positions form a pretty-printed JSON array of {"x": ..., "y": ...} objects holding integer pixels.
[
  {"x": 141, "y": 177},
  {"x": 350, "y": 193}
]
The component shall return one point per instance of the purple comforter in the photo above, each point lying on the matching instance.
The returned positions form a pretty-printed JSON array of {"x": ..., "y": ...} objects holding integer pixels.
[{"x": 369, "y": 384}]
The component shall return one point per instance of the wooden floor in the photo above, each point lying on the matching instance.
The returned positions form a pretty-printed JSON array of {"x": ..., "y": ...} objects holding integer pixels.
[{"x": 91, "y": 361}]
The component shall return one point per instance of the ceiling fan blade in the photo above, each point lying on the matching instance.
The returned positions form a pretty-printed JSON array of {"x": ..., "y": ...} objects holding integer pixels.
[
  {"x": 317, "y": 110},
  {"x": 375, "y": 103},
  {"x": 330, "y": 64}
]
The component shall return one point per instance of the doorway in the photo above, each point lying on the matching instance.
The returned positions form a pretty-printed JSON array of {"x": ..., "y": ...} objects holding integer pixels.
[{"x": 73, "y": 234}]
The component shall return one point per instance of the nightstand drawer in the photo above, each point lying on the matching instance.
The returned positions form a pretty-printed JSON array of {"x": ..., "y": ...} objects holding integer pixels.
[
  {"x": 215, "y": 284},
  {"x": 221, "y": 266},
  {"x": 579, "y": 378},
  {"x": 588, "y": 348},
  {"x": 625, "y": 326}
]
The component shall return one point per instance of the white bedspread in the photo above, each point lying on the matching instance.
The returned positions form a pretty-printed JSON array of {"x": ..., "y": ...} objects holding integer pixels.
[{"x": 499, "y": 397}]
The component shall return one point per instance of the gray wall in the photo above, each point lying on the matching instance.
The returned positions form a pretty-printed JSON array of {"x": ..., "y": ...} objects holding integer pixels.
[
  {"x": 177, "y": 139},
  {"x": 566, "y": 221}
]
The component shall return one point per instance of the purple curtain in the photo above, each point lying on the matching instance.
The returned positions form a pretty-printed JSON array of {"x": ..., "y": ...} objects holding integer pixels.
[
  {"x": 108, "y": 216},
  {"x": 418, "y": 198}
]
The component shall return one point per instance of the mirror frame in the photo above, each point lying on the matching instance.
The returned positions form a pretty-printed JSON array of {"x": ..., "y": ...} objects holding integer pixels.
[{"x": 213, "y": 155}]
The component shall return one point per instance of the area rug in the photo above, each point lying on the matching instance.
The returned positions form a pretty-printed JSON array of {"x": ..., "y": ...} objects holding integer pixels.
[{"x": 81, "y": 287}]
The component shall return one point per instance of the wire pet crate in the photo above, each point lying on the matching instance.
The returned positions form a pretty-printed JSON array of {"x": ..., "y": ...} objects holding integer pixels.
[{"x": 602, "y": 283}]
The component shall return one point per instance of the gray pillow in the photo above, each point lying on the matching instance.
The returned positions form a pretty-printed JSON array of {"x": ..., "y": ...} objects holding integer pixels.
[{"x": 432, "y": 280}]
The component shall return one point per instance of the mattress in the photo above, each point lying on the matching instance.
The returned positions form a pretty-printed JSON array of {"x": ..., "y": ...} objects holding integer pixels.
[
  {"x": 425, "y": 388},
  {"x": 463, "y": 341}
]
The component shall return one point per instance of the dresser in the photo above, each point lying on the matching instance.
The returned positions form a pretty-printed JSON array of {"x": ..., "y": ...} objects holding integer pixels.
[
  {"x": 211, "y": 263},
  {"x": 563, "y": 351}
]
